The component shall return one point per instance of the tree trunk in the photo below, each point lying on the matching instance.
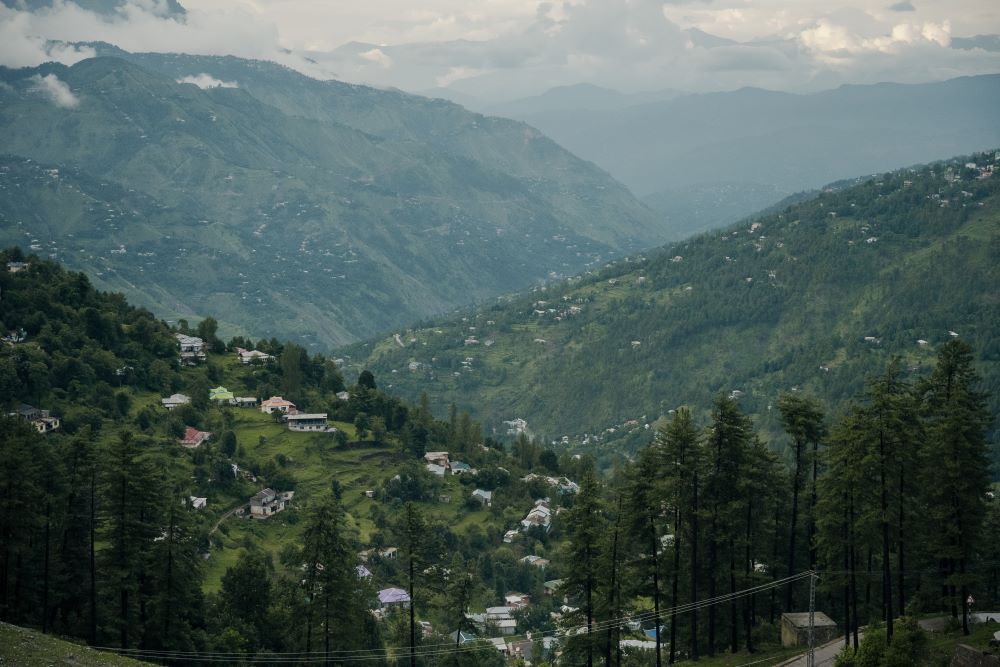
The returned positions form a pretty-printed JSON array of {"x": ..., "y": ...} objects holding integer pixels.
[
  {"x": 674, "y": 577},
  {"x": 734, "y": 621},
  {"x": 93, "y": 557},
  {"x": 886, "y": 565},
  {"x": 45, "y": 571},
  {"x": 793, "y": 530},
  {"x": 413, "y": 618},
  {"x": 713, "y": 563},
  {"x": 694, "y": 569}
]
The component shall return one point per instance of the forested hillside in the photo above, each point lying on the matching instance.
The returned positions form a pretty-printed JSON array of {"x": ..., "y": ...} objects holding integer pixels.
[
  {"x": 256, "y": 194},
  {"x": 808, "y": 299},
  {"x": 163, "y": 515}
]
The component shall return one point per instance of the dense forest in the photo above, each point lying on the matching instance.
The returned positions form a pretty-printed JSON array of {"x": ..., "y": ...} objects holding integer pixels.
[
  {"x": 810, "y": 297},
  {"x": 887, "y": 502}
]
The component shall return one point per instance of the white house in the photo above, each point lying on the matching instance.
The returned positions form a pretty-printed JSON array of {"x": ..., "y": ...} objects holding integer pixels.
[
  {"x": 277, "y": 404},
  {"x": 192, "y": 349},
  {"x": 304, "y": 421},
  {"x": 268, "y": 502},
  {"x": 175, "y": 401}
]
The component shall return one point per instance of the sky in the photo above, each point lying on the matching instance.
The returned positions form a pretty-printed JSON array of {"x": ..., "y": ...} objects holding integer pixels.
[{"x": 491, "y": 51}]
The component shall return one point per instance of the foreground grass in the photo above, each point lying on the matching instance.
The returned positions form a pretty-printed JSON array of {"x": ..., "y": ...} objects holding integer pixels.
[{"x": 22, "y": 647}]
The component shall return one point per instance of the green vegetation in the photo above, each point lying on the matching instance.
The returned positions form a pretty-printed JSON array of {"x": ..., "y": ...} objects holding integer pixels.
[
  {"x": 315, "y": 211},
  {"x": 29, "y": 648},
  {"x": 807, "y": 299}
]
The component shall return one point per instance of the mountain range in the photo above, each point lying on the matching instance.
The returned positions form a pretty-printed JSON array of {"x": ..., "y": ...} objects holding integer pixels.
[
  {"x": 709, "y": 159},
  {"x": 328, "y": 211}
]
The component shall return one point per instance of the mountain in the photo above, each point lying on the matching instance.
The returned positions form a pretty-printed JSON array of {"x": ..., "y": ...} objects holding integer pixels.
[
  {"x": 289, "y": 206},
  {"x": 788, "y": 142},
  {"x": 809, "y": 298},
  {"x": 576, "y": 98}
]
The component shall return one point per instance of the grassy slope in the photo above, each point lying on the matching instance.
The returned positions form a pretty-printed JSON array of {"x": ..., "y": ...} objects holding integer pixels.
[
  {"x": 21, "y": 647},
  {"x": 719, "y": 320}
]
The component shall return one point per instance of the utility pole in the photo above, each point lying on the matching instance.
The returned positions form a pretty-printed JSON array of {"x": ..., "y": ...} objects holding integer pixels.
[{"x": 811, "y": 655}]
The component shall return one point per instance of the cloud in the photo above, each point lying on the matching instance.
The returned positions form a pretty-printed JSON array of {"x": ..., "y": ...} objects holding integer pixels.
[
  {"x": 205, "y": 81},
  {"x": 56, "y": 90},
  {"x": 377, "y": 56},
  {"x": 904, "y": 6}
]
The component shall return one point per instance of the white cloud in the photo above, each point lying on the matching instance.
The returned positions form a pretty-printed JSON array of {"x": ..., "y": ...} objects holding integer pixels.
[
  {"x": 377, "y": 56},
  {"x": 54, "y": 89},
  {"x": 205, "y": 81}
]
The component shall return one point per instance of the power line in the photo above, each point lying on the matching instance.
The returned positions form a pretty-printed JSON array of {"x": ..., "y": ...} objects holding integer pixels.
[{"x": 361, "y": 655}]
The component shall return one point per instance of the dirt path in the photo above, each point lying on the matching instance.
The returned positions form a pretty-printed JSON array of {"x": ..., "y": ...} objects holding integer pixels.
[{"x": 226, "y": 516}]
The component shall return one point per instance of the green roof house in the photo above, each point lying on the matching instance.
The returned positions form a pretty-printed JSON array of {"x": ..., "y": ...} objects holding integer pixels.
[{"x": 220, "y": 394}]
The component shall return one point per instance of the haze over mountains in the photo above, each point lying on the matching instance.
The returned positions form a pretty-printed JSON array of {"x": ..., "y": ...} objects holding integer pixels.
[
  {"x": 708, "y": 159},
  {"x": 288, "y": 206}
]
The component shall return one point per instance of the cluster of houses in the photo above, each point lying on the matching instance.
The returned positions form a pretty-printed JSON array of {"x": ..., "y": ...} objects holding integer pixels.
[
  {"x": 295, "y": 420},
  {"x": 192, "y": 352},
  {"x": 40, "y": 419},
  {"x": 438, "y": 463}
]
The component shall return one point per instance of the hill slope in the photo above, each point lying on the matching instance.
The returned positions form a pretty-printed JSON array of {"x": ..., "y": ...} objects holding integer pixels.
[
  {"x": 324, "y": 210},
  {"x": 784, "y": 301}
]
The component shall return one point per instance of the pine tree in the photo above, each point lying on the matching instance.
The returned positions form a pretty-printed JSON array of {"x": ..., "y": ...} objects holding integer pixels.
[
  {"x": 585, "y": 532},
  {"x": 956, "y": 421}
]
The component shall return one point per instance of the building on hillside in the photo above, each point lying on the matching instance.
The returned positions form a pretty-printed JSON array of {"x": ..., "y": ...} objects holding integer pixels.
[
  {"x": 462, "y": 637},
  {"x": 553, "y": 587},
  {"x": 540, "y": 515},
  {"x": 221, "y": 394},
  {"x": 388, "y": 553},
  {"x": 510, "y": 536},
  {"x": 459, "y": 468},
  {"x": 192, "y": 349},
  {"x": 17, "y": 267},
  {"x": 198, "y": 503},
  {"x": 343, "y": 396},
  {"x": 500, "y": 644},
  {"x": 435, "y": 469},
  {"x": 252, "y": 356},
  {"x": 304, "y": 421},
  {"x": 268, "y": 502},
  {"x": 175, "y": 401},
  {"x": 363, "y": 572},
  {"x": 277, "y": 404},
  {"x": 516, "y": 426},
  {"x": 193, "y": 437},
  {"x": 437, "y": 458},
  {"x": 536, "y": 561},
  {"x": 795, "y": 629},
  {"x": 393, "y": 597},
  {"x": 485, "y": 497},
  {"x": 517, "y": 600},
  {"x": 46, "y": 423},
  {"x": 245, "y": 401}
]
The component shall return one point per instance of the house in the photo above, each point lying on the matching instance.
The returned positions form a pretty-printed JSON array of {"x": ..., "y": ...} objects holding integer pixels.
[
  {"x": 540, "y": 515},
  {"x": 500, "y": 645},
  {"x": 307, "y": 421},
  {"x": 198, "y": 503},
  {"x": 552, "y": 586},
  {"x": 517, "y": 600},
  {"x": 437, "y": 458},
  {"x": 268, "y": 502},
  {"x": 795, "y": 629},
  {"x": 17, "y": 267},
  {"x": 497, "y": 613},
  {"x": 193, "y": 437},
  {"x": 277, "y": 404},
  {"x": 342, "y": 396},
  {"x": 638, "y": 644},
  {"x": 509, "y": 536},
  {"x": 252, "y": 356},
  {"x": 389, "y": 553},
  {"x": 393, "y": 597},
  {"x": 363, "y": 572},
  {"x": 16, "y": 336},
  {"x": 245, "y": 401},
  {"x": 192, "y": 349},
  {"x": 506, "y": 627},
  {"x": 462, "y": 637},
  {"x": 220, "y": 394},
  {"x": 175, "y": 401},
  {"x": 426, "y": 629},
  {"x": 516, "y": 426},
  {"x": 46, "y": 424},
  {"x": 27, "y": 412},
  {"x": 537, "y": 561},
  {"x": 435, "y": 469},
  {"x": 485, "y": 497},
  {"x": 458, "y": 468}
]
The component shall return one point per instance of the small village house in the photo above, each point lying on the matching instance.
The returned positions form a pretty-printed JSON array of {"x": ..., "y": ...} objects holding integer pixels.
[
  {"x": 795, "y": 629},
  {"x": 268, "y": 502},
  {"x": 192, "y": 349},
  {"x": 438, "y": 458},
  {"x": 221, "y": 394},
  {"x": 175, "y": 401},
  {"x": 393, "y": 597},
  {"x": 193, "y": 437},
  {"x": 485, "y": 497},
  {"x": 277, "y": 404},
  {"x": 245, "y": 401},
  {"x": 304, "y": 421},
  {"x": 252, "y": 356}
]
